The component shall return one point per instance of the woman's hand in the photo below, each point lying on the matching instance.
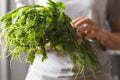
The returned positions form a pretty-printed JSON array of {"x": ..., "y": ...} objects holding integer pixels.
[{"x": 90, "y": 29}]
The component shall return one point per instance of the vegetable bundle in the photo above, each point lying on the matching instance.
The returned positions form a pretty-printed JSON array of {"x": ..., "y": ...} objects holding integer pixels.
[{"x": 29, "y": 28}]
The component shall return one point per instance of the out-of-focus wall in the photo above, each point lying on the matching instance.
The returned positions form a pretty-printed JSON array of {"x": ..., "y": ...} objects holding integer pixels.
[
  {"x": 4, "y": 74},
  {"x": 18, "y": 70}
]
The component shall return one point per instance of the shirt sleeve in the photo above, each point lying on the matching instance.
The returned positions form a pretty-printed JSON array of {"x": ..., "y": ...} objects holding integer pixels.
[
  {"x": 113, "y": 11},
  {"x": 24, "y": 2}
]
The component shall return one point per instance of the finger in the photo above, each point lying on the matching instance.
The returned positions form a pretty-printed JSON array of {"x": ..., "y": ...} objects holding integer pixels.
[
  {"x": 90, "y": 36},
  {"x": 87, "y": 32},
  {"x": 87, "y": 27},
  {"x": 83, "y": 26},
  {"x": 77, "y": 19},
  {"x": 82, "y": 22}
]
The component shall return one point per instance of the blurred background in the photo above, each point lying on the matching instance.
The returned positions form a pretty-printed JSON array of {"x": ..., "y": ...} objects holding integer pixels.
[{"x": 18, "y": 71}]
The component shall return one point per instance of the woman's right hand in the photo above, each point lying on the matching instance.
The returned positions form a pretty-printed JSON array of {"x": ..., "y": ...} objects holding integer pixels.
[{"x": 91, "y": 30}]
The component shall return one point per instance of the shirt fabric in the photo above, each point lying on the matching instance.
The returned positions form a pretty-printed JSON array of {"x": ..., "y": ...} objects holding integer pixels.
[{"x": 57, "y": 67}]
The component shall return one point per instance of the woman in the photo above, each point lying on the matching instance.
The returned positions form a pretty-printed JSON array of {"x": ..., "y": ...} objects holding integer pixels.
[{"x": 93, "y": 15}]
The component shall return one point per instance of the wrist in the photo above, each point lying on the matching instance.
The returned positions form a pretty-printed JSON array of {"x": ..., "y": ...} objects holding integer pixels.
[{"x": 103, "y": 37}]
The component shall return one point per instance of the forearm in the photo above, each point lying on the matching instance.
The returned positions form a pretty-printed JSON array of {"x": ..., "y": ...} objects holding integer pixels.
[{"x": 110, "y": 40}]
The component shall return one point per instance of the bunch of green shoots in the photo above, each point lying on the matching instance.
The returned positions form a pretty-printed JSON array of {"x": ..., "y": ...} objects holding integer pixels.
[{"x": 28, "y": 28}]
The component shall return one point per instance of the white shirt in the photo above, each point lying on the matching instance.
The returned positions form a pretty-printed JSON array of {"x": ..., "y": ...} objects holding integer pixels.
[{"x": 57, "y": 67}]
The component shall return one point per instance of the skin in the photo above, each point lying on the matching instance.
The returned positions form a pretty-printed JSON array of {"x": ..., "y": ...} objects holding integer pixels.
[{"x": 91, "y": 30}]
